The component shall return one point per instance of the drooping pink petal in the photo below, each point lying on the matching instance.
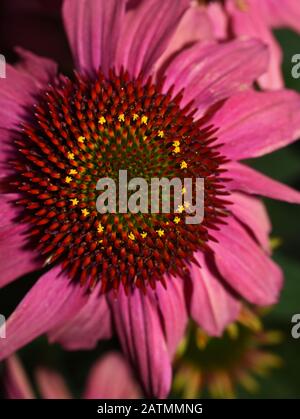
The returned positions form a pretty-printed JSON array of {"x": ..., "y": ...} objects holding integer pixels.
[
  {"x": 50, "y": 302},
  {"x": 51, "y": 385},
  {"x": 212, "y": 306},
  {"x": 147, "y": 31},
  {"x": 246, "y": 179},
  {"x": 245, "y": 266},
  {"x": 252, "y": 124},
  {"x": 15, "y": 380},
  {"x": 249, "y": 21},
  {"x": 195, "y": 26},
  {"x": 252, "y": 213},
  {"x": 139, "y": 328},
  {"x": 212, "y": 72},
  {"x": 173, "y": 311},
  {"x": 91, "y": 324},
  {"x": 112, "y": 378},
  {"x": 93, "y": 28},
  {"x": 16, "y": 259}
]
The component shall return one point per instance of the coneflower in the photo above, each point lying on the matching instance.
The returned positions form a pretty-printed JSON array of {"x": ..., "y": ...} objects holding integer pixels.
[{"x": 195, "y": 114}]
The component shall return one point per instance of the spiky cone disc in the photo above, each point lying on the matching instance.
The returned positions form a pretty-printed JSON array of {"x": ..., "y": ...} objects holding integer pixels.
[{"x": 86, "y": 129}]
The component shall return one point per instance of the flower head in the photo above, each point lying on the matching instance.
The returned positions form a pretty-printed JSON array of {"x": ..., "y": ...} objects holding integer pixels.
[
  {"x": 245, "y": 356},
  {"x": 50, "y": 149}
]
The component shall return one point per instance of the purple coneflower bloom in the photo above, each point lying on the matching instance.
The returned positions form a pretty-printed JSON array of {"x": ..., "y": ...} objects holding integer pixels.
[
  {"x": 109, "y": 378},
  {"x": 194, "y": 114},
  {"x": 246, "y": 356}
]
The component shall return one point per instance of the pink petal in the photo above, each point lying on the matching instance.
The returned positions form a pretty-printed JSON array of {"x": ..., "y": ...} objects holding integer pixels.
[
  {"x": 212, "y": 72},
  {"x": 140, "y": 332},
  {"x": 212, "y": 306},
  {"x": 173, "y": 311},
  {"x": 219, "y": 20},
  {"x": 85, "y": 329},
  {"x": 195, "y": 26},
  {"x": 245, "y": 266},
  {"x": 112, "y": 378},
  {"x": 51, "y": 385},
  {"x": 29, "y": 75},
  {"x": 245, "y": 179},
  {"x": 252, "y": 23},
  {"x": 252, "y": 124},
  {"x": 273, "y": 78},
  {"x": 93, "y": 28},
  {"x": 16, "y": 383},
  {"x": 252, "y": 213},
  {"x": 15, "y": 258},
  {"x": 38, "y": 69},
  {"x": 147, "y": 31},
  {"x": 50, "y": 302}
]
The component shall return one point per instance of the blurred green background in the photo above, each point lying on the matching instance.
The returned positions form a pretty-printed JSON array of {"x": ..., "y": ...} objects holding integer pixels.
[{"x": 283, "y": 165}]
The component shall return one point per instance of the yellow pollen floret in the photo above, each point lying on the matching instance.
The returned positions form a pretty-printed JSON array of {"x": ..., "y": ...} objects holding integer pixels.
[
  {"x": 183, "y": 165},
  {"x": 71, "y": 156},
  {"x": 102, "y": 120},
  {"x": 100, "y": 228},
  {"x": 177, "y": 150},
  {"x": 180, "y": 208},
  {"x": 161, "y": 134},
  {"x": 183, "y": 190},
  {"x": 81, "y": 139},
  {"x": 85, "y": 212},
  {"x": 145, "y": 137},
  {"x": 160, "y": 232},
  {"x": 100, "y": 241},
  {"x": 177, "y": 220},
  {"x": 144, "y": 119},
  {"x": 121, "y": 117},
  {"x": 73, "y": 172},
  {"x": 74, "y": 202},
  {"x": 144, "y": 234},
  {"x": 68, "y": 179},
  {"x": 131, "y": 236},
  {"x": 135, "y": 116},
  {"x": 176, "y": 143}
]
